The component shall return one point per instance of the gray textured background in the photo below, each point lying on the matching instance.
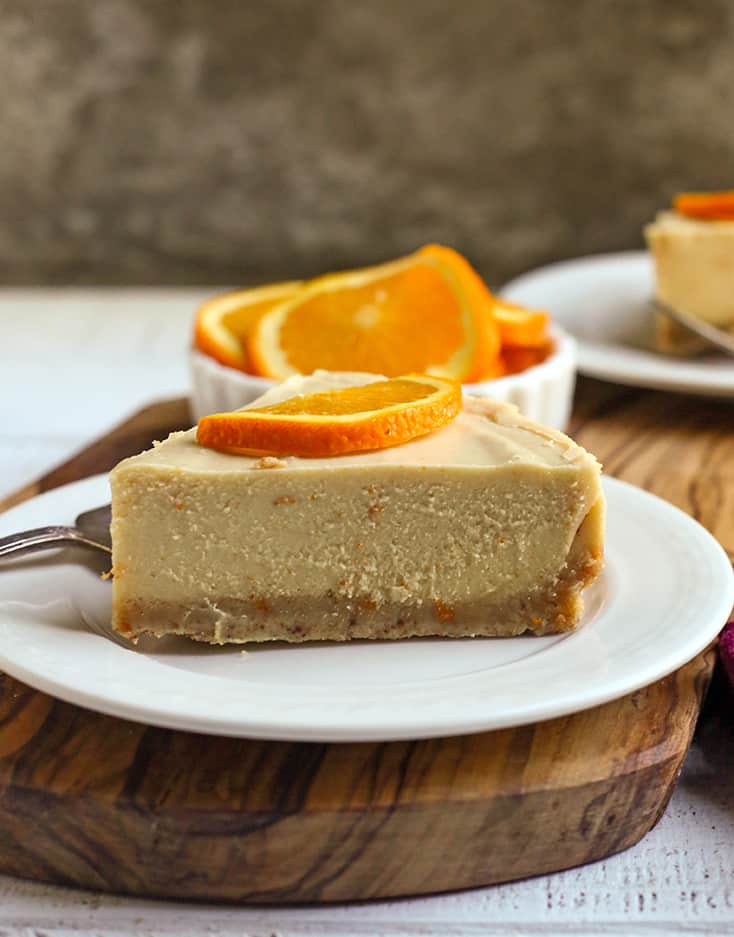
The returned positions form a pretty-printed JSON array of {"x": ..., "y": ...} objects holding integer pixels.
[{"x": 213, "y": 141}]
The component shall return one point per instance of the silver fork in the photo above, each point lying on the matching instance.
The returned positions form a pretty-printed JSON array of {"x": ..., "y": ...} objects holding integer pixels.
[
  {"x": 91, "y": 530},
  {"x": 716, "y": 337}
]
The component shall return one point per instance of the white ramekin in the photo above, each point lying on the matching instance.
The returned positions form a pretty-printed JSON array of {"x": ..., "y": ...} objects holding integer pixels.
[{"x": 543, "y": 393}]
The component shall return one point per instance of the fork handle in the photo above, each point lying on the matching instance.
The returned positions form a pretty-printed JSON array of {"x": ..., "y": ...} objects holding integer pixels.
[{"x": 29, "y": 541}]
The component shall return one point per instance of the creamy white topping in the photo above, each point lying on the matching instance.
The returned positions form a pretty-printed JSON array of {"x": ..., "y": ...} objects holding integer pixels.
[
  {"x": 486, "y": 433},
  {"x": 671, "y": 222}
]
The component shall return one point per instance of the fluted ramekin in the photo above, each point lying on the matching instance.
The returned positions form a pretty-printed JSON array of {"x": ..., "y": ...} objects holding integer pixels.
[{"x": 543, "y": 392}]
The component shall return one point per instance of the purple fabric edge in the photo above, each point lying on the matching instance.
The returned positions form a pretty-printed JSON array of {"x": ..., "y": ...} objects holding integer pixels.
[{"x": 726, "y": 650}]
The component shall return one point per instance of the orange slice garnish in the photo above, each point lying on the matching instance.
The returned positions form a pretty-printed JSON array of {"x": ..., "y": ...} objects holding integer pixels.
[
  {"x": 425, "y": 313},
  {"x": 520, "y": 359},
  {"x": 223, "y": 324},
  {"x": 351, "y": 419},
  {"x": 521, "y": 327},
  {"x": 497, "y": 369},
  {"x": 706, "y": 206}
]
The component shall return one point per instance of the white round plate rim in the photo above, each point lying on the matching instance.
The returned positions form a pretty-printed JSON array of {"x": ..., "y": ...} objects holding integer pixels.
[
  {"x": 612, "y": 361},
  {"x": 604, "y": 660}
]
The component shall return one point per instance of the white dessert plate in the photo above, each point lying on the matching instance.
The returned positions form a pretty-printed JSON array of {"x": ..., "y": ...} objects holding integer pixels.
[
  {"x": 665, "y": 595},
  {"x": 603, "y": 302}
]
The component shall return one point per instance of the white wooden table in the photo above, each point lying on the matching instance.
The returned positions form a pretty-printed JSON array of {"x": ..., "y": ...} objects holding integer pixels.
[{"x": 73, "y": 363}]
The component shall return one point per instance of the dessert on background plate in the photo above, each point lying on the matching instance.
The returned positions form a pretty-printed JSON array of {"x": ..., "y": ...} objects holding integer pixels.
[
  {"x": 407, "y": 511},
  {"x": 604, "y": 303},
  {"x": 692, "y": 247}
]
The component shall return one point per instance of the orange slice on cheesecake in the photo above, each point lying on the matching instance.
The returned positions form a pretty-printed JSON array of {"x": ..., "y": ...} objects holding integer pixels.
[
  {"x": 352, "y": 419},
  {"x": 224, "y": 323},
  {"x": 427, "y": 313}
]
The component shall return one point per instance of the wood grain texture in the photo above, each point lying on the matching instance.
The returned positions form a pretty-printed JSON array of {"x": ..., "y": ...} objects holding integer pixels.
[
  {"x": 98, "y": 802},
  {"x": 110, "y": 805}
]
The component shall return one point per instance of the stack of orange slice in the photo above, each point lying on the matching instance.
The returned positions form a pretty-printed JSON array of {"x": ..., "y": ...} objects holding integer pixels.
[{"x": 429, "y": 313}]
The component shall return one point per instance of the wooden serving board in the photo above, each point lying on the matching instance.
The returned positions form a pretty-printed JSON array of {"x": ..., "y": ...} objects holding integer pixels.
[{"x": 89, "y": 800}]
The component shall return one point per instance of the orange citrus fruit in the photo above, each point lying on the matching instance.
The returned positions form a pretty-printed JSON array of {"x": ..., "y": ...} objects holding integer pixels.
[
  {"x": 427, "y": 313},
  {"x": 520, "y": 359},
  {"x": 224, "y": 323},
  {"x": 706, "y": 206},
  {"x": 350, "y": 419},
  {"x": 497, "y": 369},
  {"x": 520, "y": 327}
]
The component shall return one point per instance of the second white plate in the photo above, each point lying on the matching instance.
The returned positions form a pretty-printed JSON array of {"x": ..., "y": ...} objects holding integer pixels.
[
  {"x": 603, "y": 301},
  {"x": 666, "y": 592}
]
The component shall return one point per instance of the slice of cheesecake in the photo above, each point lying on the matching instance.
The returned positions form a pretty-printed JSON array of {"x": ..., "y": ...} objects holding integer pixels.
[
  {"x": 694, "y": 272},
  {"x": 491, "y": 525}
]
